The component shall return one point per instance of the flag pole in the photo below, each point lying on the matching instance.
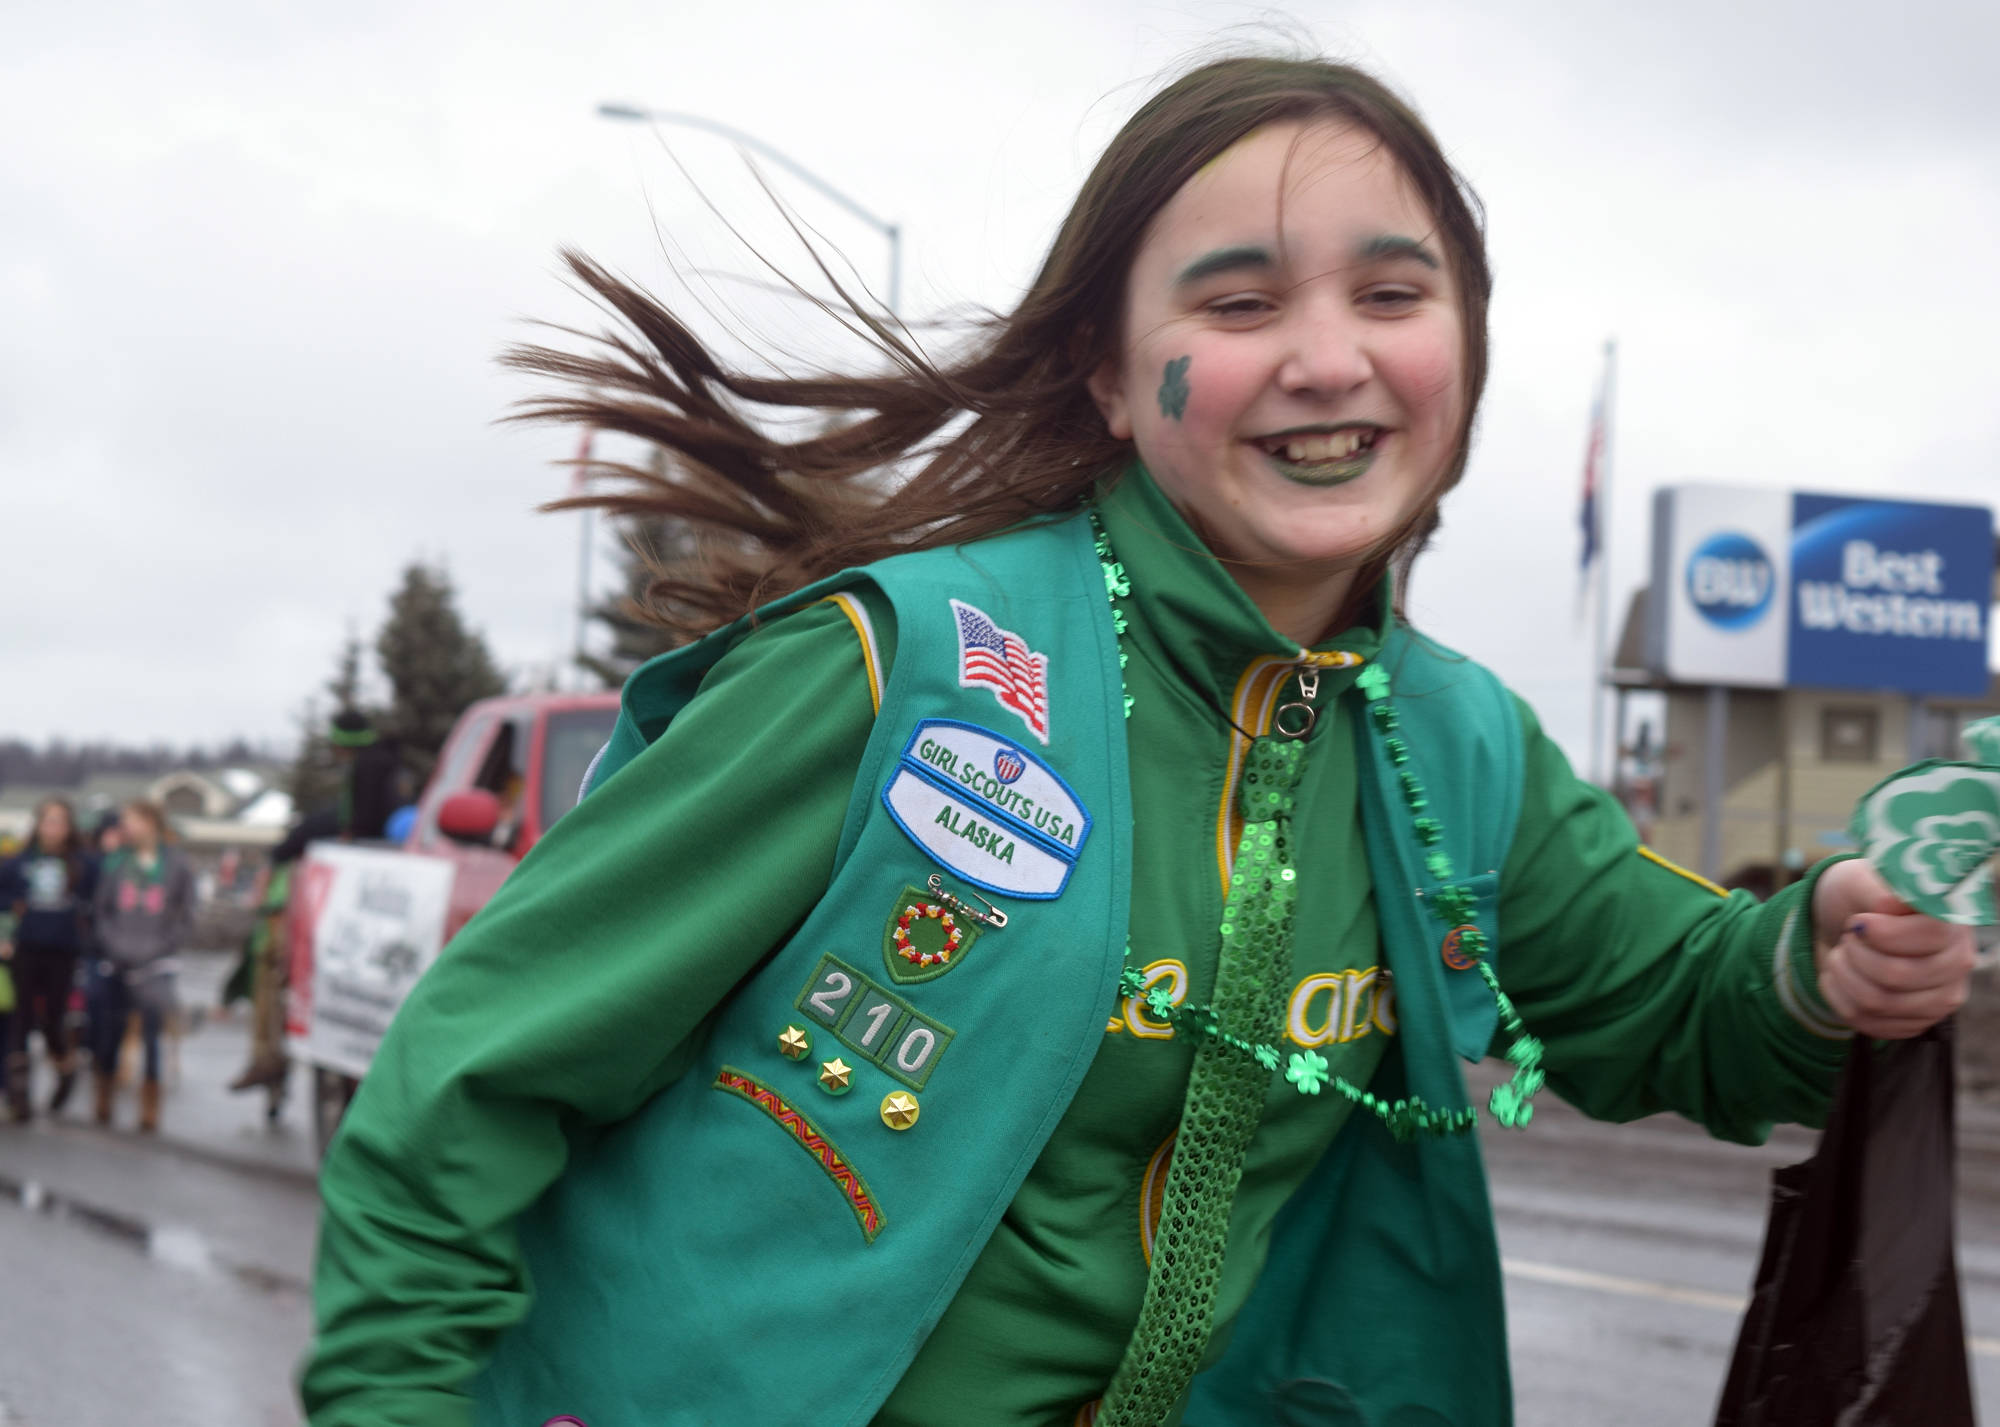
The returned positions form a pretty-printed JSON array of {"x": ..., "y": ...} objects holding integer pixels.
[
  {"x": 1600, "y": 623},
  {"x": 582, "y": 598},
  {"x": 579, "y": 482}
]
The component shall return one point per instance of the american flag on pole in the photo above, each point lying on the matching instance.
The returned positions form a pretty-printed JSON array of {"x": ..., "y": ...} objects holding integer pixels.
[
  {"x": 1593, "y": 457},
  {"x": 990, "y": 657},
  {"x": 1590, "y": 515}
]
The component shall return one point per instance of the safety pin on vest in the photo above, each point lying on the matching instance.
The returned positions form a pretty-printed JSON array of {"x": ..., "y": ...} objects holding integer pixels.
[{"x": 985, "y": 912}]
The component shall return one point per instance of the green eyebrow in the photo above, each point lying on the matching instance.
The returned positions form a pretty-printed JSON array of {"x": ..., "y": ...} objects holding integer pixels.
[
  {"x": 1222, "y": 260},
  {"x": 1391, "y": 245}
]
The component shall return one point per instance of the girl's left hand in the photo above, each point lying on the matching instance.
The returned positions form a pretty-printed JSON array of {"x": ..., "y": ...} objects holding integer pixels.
[{"x": 1887, "y": 971}]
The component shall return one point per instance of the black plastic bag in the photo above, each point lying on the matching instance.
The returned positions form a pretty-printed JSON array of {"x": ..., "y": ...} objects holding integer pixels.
[{"x": 1855, "y": 1321}]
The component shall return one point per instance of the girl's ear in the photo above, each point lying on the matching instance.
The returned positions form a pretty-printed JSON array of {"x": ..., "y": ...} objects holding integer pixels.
[{"x": 1107, "y": 389}]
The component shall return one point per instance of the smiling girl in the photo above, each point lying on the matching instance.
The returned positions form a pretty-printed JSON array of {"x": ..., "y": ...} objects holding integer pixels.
[{"x": 1023, "y": 974}]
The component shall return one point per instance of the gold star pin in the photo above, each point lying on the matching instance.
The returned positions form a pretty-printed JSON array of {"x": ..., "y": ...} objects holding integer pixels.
[
  {"x": 836, "y": 1076},
  {"x": 794, "y": 1043},
  {"x": 899, "y": 1109}
]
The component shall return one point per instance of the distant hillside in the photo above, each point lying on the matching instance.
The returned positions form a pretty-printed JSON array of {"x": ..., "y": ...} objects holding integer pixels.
[{"x": 71, "y": 765}]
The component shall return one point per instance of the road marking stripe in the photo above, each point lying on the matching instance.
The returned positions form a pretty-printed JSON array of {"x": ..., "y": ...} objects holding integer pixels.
[
  {"x": 1664, "y": 1292},
  {"x": 1627, "y": 1287}
]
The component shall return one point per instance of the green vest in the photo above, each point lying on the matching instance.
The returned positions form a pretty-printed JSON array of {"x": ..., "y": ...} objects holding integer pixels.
[{"x": 751, "y": 1247}]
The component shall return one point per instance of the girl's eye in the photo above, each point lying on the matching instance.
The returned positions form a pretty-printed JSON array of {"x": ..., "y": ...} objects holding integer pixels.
[
  {"x": 1391, "y": 299},
  {"x": 1238, "y": 307}
]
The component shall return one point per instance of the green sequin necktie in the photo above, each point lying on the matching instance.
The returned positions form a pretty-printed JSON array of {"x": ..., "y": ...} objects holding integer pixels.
[{"x": 1225, "y": 1101}]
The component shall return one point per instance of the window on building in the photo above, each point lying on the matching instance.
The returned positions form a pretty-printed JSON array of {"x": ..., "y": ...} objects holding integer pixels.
[
  {"x": 1937, "y": 733},
  {"x": 1849, "y": 735}
]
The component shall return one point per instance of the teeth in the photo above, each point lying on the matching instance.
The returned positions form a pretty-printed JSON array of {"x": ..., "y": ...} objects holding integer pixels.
[{"x": 1334, "y": 446}]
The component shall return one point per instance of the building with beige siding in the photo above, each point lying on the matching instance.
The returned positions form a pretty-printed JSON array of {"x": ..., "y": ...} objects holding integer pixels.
[{"x": 1795, "y": 762}]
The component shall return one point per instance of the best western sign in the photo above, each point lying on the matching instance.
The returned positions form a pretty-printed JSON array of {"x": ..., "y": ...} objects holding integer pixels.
[{"x": 1770, "y": 588}]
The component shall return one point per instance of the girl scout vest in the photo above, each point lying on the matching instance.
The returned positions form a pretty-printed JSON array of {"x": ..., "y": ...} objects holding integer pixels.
[{"x": 772, "y": 1238}]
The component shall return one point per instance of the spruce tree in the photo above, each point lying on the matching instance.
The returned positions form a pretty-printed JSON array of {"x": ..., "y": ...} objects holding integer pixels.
[
  {"x": 315, "y": 778},
  {"x": 435, "y": 665},
  {"x": 634, "y": 639}
]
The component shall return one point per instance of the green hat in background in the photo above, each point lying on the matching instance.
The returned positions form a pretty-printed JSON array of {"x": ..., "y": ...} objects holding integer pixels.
[{"x": 350, "y": 729}]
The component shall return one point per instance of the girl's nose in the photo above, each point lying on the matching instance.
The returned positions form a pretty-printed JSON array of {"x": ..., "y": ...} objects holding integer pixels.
[{"x": 1327, "y": 352}]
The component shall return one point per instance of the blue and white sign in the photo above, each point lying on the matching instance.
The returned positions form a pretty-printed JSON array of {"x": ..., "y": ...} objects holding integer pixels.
[
  {"x": 1890, "y": 595},
  {"x": 1768, "y": 589},
  {"x": 1731, "y": 579}
]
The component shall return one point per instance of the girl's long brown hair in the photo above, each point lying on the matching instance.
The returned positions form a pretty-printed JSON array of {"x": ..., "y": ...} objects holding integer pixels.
[
  {"x": 155, "y": 816},
  {"x": 1006, "y": 432},
  {"x": 71, "y": 850}
]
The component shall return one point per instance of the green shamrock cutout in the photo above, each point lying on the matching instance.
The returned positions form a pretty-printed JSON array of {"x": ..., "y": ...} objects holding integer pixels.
[
  {"x": 1510, "y": 1107},
  {"x": 1932, "y": 830},
  {"x": 1307, "y": 1072},
  {"x": 1983, "y": 739}
]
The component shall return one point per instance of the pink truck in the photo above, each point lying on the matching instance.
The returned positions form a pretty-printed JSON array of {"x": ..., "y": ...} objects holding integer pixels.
[{"x": 367, "y": 918}]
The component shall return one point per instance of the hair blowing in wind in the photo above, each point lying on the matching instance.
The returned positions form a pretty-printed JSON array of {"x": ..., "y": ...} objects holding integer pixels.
[{"x": 1002, "y": 433}]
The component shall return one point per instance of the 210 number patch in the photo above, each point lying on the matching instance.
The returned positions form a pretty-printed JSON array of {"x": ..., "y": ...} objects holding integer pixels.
[{"x": 874, "y": 1022}]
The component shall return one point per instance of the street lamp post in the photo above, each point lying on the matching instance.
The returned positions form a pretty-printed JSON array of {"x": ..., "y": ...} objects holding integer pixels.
[{"x": 892, "y": 231}]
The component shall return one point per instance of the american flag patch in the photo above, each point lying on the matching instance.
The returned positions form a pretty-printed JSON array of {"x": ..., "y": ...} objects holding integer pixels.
[{"x": 990, "y": 657}]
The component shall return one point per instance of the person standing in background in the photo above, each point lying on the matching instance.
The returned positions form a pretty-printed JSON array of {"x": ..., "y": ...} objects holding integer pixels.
[
  {"x": 370, "y": 789},
  {"x": 266, "y": 954},
  {"x": 48, "y": 889},
  {"x": 145, "y": 908}
]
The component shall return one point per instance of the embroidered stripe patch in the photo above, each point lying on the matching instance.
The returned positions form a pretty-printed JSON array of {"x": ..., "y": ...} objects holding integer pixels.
[{"x": 813, "y": 1141}]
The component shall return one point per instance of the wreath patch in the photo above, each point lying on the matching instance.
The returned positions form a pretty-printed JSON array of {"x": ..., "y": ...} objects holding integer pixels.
[{"x": 924, "y": 938}]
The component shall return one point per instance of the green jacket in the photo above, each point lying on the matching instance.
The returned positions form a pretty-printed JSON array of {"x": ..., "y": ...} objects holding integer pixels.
[{"x": 529, "y": 1047}]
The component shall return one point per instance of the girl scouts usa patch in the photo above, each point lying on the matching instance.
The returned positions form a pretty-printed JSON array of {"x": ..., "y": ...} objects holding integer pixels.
[{"x": 987, "y": 810}]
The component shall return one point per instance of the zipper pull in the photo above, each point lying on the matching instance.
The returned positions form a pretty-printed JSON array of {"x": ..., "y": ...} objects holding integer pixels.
[{"x": 1304, "y": 714}]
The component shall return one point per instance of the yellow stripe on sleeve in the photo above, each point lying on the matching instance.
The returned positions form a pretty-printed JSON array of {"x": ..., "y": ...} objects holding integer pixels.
[
  {"x": 857, "y": 615},
  {"x": 1680, "y": 871}
]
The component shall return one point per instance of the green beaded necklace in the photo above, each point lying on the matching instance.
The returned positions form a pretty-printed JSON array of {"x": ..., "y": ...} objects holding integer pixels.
[{"x": 1512, "y": 1104}]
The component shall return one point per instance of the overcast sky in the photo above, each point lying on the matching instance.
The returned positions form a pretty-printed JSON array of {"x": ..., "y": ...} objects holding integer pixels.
[{"x": 255, "y": 265}]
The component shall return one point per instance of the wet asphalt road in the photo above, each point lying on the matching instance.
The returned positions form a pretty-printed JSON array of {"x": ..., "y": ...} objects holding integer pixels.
[
  {"x": 194, "y": 1321},
  {"x": 162, "y": 1282},
  {"x": 1629, "y": 1251}
]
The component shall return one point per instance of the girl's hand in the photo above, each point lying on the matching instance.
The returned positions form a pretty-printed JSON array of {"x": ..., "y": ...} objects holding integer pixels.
[{"x": 1885, "y": 970}]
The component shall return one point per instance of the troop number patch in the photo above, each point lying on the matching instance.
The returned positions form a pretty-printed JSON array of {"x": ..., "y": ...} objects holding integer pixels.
[
  {"x": 874, "y": 1022},
  {"x": 987, "y": 809}
]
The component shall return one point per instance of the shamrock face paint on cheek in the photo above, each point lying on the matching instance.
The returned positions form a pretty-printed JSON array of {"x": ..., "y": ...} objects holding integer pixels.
[{"x": 1174, "y": 388}]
